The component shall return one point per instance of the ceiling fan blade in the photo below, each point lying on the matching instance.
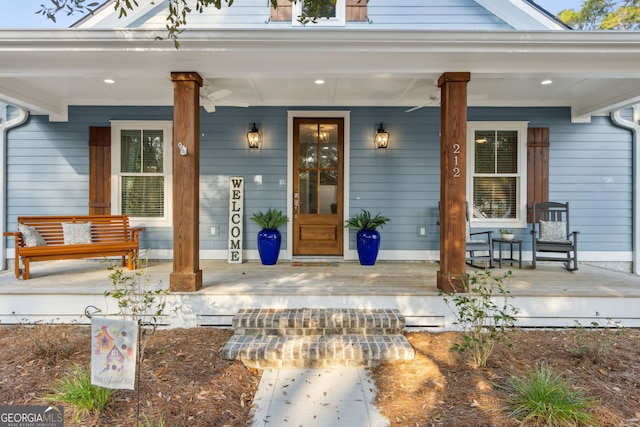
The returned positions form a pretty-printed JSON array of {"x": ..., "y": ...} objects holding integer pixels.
[
  {"x": 415, "y": 108},
  {"x": 208, "y": 105},
  {"x": 231, "y": 103},
  {"x": 219, "y": 94}
]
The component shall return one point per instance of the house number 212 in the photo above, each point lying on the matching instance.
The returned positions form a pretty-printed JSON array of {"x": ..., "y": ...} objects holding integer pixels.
[{"x": 456, "y": 168}]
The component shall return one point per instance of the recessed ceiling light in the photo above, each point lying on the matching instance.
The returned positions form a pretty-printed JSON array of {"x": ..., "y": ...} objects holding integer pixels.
[
  {"x": 109, "y": 81},
  {"x": 319, "y": 82},
  {"x": 546, "y": 82}
]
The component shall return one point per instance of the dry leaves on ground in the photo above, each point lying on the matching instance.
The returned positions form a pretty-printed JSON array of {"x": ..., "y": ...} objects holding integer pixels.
[
  {"x": 439, "y": 387},
  {"x": 186, "y": 383}
]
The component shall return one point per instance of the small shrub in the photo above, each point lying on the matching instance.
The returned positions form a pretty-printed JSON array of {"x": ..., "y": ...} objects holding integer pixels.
[
  {"x": 594, "y": 343},
  {"x": 76, "y": 390},
  {"x": 543, "y": 398},
  {"x": 138, "y": 301},
  {"x": 483, "y": 321}
]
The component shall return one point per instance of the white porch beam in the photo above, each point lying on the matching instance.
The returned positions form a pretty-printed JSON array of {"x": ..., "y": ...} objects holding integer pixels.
[
  {"x": 38, "y": 103},
  {"x": 610, "y": 98}
]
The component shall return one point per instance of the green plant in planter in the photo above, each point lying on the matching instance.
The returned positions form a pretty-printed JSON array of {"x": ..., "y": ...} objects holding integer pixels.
[
  {"x": 364, "y": 221},
  {"x": 269, "y": 238},
  {"x": 271, "y": 220},
  {"x": 506, "y": 234},
  {"x": 367, "y": 238}
]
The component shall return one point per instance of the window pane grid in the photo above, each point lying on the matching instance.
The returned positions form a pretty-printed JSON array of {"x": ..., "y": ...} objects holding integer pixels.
[
  {"x": 495, "y": 178},
  {"x": 142, "y": 177},
  {"x": 143, "y": 196}
]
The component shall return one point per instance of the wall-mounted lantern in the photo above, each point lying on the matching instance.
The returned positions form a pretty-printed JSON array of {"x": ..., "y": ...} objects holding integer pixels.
[
  {"x": 381, "y": 140},
  {"x": 254, "y": 138}
]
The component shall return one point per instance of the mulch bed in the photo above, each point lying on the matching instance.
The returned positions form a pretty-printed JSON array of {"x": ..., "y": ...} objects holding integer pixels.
[{"x": 184, "y": 382}]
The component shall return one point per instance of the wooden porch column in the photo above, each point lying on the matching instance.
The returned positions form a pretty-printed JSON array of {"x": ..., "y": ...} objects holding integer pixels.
[
  {"x": 186, "y": 276},
  {"x": 453, "y": 179}
]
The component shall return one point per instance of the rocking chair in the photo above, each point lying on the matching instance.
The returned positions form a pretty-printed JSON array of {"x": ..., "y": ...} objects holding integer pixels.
[
  {"x": 550, "y": 234},
  {"x": 475, "y": 243},
  {"x": 480, "y": 241}
]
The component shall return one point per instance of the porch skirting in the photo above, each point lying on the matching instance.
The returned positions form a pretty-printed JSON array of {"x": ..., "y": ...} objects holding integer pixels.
[{"x": 548, "y": 296}]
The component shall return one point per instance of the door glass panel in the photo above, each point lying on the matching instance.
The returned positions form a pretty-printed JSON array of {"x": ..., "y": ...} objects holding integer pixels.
[
  {"x": 308, "y": 146},
  {"x": 308, "y": 192},
  {"x": 329, "y": 192},
  {"x": 328, "y": 146}
]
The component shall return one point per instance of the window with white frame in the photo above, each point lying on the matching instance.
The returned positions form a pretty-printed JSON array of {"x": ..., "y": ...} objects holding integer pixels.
[
  {"x": 141, "y": 170},
  {"x": 333, "y": 16},
  {"x": 496, "y": 165}
]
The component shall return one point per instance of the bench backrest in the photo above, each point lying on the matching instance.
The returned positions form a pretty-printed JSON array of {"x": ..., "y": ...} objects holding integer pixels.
[{"x": 104, "y": 228}]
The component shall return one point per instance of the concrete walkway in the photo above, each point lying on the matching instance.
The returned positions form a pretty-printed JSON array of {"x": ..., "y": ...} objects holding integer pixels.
[{"x": 329, "y": 397}]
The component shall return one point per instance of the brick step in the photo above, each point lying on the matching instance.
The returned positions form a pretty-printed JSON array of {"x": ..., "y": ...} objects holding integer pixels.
[
  {"x": 305, "y": 321},
  {"x": 316, "y": 351},
  {"x": 306, "y": 338}
]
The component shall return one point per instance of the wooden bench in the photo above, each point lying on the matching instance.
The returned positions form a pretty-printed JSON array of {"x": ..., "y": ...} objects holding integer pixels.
[{"x": 110, "y": 236}]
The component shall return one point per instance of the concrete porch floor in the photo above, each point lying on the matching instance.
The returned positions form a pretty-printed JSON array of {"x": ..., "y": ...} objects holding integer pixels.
[
  {"x": 345, "y": 278},
  {"x": 546, "y": 293}
]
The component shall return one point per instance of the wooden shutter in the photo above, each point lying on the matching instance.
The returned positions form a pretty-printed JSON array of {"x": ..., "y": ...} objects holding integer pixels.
[
  {"x": 356, "y": 10},
  {"x": 282, "y": 12},
  {"x": 99, "y": 170},
  {"x": 537, "y": 167}
]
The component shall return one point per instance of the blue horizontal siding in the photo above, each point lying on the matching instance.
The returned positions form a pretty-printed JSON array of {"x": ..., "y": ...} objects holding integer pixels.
[
  {"x": 382, "y": 14},
  {"x": 590, "y": 167}
]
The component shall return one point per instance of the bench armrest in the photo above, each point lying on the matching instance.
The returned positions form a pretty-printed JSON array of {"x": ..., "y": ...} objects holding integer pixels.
[
  {"x": 134, "y": 232},
  {"x": 477, "y": 233},
  {"x": 16, "y": 235}
]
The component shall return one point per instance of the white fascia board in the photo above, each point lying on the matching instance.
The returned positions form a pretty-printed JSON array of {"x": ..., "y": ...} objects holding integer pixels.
[
  {"x": 520, "y": 15},
  {"x": 601, "y": 42}
]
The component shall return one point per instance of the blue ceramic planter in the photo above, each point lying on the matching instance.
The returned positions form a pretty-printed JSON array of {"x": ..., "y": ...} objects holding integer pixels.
[
  {"x": 368, "y": 244},
  {"x": 269, "y": 246}
]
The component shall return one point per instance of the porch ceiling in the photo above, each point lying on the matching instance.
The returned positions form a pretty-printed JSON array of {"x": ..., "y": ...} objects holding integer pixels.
[{"x": 46, "y": 71}]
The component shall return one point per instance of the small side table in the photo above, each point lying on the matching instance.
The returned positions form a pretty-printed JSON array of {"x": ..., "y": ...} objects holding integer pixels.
[{"x": 511, "y": 259}]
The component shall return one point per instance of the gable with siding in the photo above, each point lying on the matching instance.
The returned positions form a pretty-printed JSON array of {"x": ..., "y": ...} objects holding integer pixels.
[{"x": 432, "y": 15}]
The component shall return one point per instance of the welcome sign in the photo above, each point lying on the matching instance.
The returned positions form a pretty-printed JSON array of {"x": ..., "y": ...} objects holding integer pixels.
[{"x": 236, "y": 215}]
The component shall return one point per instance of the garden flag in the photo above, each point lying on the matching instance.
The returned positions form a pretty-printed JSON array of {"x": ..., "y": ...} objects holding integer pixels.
[{"x": 114, "y": 347}]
